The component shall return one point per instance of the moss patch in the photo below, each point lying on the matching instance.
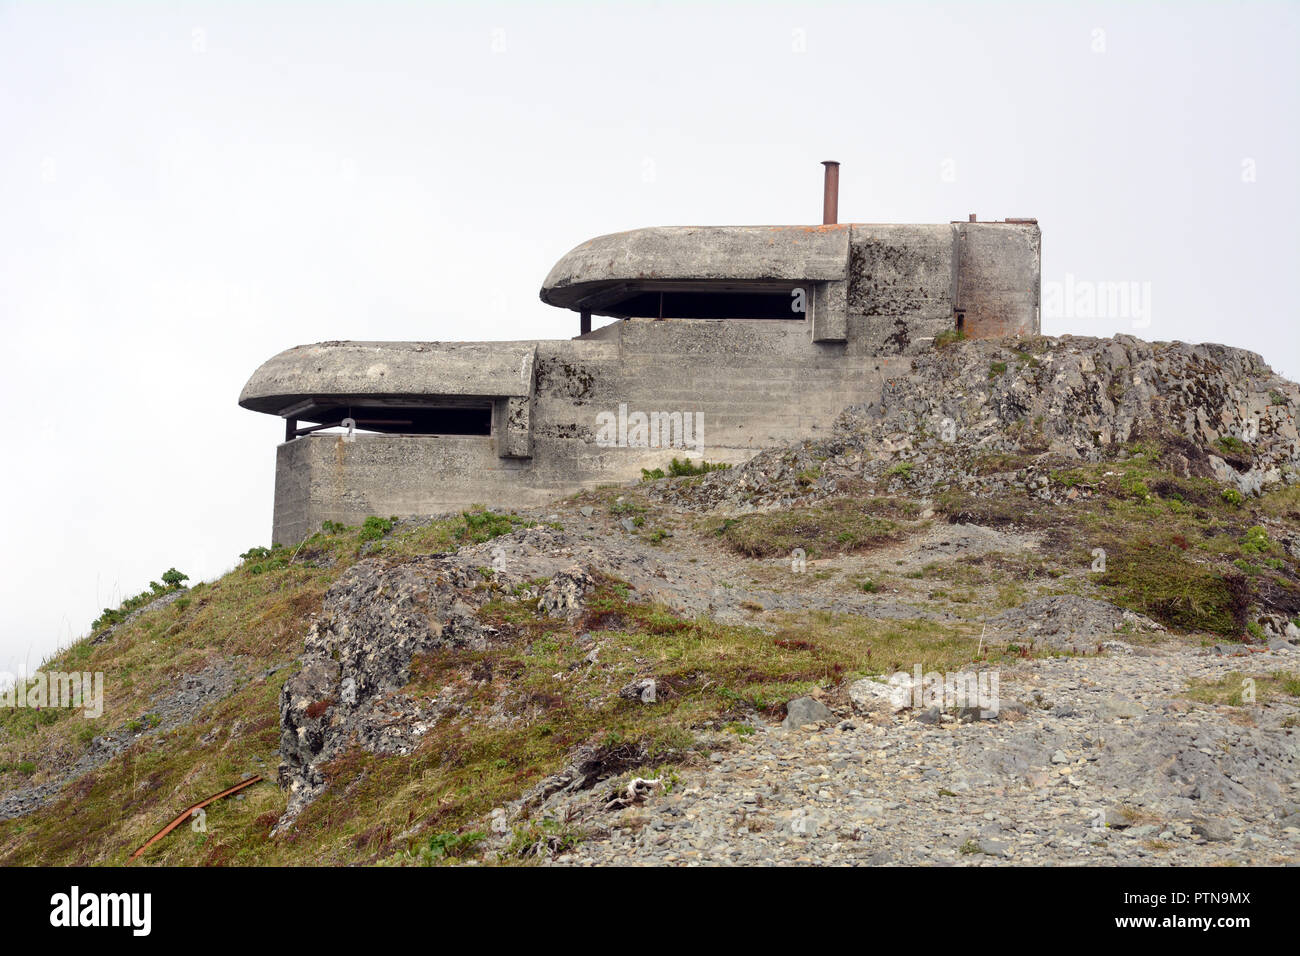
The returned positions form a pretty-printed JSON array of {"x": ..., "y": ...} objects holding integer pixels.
[
  {"x": 1234, "y": 688},
  {"x": 834, "y": 528},
  {"x": 1163, "y": 583}
]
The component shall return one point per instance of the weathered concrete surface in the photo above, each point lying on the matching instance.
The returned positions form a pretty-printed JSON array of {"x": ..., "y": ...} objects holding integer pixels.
[
  {"x": 996, "y": 280},
  {"x": 887, "y": 288},
  {"x": 368, "y": 369},
  {"x": 753, "y": 385},
  {"x": 809, "y": 253},
  {"x": 900, "y": 288},
  {"x": 830, "y": 312}
]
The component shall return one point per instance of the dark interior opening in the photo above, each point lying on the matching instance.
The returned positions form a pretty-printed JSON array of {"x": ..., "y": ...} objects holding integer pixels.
[
  {"x": 404, "y": 420},
  {"x": 708, "y": 305}
]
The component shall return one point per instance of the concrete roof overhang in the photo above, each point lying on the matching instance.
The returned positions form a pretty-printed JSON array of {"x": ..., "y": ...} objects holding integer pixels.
[
  {"x": 309, "y": 375},
  {"x": 606, "y": 269}
]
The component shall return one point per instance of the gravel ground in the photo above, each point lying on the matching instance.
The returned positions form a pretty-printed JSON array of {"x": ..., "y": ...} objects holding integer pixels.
[{"x": 1092, "y": 761}]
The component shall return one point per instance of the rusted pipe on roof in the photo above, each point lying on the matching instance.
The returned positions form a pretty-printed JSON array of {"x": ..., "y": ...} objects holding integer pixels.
[{"x": 831, "y": 193}]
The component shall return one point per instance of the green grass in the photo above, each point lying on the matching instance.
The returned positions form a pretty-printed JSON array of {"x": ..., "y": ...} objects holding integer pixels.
[
  {"x": 707, "y": 674},
  {"x": 833, "y": 528},
  {"x": 1256, "y": 541},
  {"x": 806, "y": 477},
  {"x": 993, "y": 512},
  {"x": 1230, "y": 690},
  {"x": 450, "y": 846},
  {"x": 682, "y": 469},
  {"x": 1163, "y": 583},
  {"x": 254, "y": 618},
  {"x": 1282, "y": 503},
  {"x": 375, "y": 528},
  {"x": 474, "y": 526},
  {"x": 172, "y": 581},
  {"x": 992, "y": 463},
  {"x": 1234, "y": 446},
  {"x": 1186, "y": 551}
]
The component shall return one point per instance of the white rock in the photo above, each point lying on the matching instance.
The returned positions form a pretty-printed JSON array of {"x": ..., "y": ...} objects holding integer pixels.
[{"x": 872, "y": 696}]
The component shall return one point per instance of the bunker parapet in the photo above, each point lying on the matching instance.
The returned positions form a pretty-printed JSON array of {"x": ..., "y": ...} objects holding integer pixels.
[{"x": 727, "y": 340}]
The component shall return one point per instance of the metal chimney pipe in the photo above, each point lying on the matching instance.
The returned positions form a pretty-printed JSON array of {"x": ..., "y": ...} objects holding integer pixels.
[{"x": 831, "y": 193}]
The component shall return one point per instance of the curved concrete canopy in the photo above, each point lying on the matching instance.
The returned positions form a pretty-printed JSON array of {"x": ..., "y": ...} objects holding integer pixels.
[
  {"x": 307, "y": 373},
  {"x": 602, "y": 269}
]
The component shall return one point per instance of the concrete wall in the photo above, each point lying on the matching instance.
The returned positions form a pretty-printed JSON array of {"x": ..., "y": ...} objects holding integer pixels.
[
  {"x": 900, "y": 287},
  {"x": 325, "y": 478},
  {"x": 755, "y": 384},
  {"x": 996, "y": 283},
  {"x": 908, "y": 283},
  {"x": 296, "y": 515}
]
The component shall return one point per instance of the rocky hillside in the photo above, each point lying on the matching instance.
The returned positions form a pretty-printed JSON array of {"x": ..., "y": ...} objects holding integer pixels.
[{"x": 732, "y": 666}]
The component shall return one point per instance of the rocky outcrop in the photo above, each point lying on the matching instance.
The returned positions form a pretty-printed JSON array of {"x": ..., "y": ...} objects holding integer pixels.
[
  {"x": 1067, "y": 622},
  {"x": 1221, "y": 412},
  {"x": 358, "y": 656},
  {"x": 376, "y": 618},
  {"x": 1080, "y": 396},
  {"x": 562, "y": 597}
]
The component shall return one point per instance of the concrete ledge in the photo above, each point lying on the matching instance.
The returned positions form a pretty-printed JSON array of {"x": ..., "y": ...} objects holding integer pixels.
[
  {"x": 394, "y": 369},
  {"x": 700, "y": 254}
]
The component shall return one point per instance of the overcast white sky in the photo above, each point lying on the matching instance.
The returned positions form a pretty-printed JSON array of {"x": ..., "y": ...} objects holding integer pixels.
[{"x": 187, "y": 189}]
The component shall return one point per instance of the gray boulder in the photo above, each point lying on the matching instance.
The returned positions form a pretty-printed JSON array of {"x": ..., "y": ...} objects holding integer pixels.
[{"x": 806, "y": 710}]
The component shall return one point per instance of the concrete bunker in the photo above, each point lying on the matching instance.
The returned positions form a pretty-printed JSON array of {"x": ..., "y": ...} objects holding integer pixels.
[{"x": 761, "y": 334}]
